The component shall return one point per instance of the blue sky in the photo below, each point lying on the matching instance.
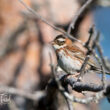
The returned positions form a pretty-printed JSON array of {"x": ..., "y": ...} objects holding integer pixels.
[{"x": 102, "y": 21}]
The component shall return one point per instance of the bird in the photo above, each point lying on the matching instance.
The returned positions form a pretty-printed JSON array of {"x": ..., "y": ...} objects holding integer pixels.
[{"x": 70, "y": 57}]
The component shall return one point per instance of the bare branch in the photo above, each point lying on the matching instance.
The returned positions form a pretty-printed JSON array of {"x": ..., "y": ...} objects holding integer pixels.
[
  {"x": 102, "y": 65},
  {"x": 89, "y": 52},
  {"x": 36, "y": 96},
  {"x": 102, "y": 57},
  {"x": 60, "y": 88},
  {"x": 79, "y": 13},
  {"x": 46, "y": 22}
]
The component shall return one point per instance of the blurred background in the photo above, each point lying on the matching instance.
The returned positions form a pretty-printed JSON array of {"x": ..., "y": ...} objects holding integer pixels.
[{"x": 24, "y": 49}]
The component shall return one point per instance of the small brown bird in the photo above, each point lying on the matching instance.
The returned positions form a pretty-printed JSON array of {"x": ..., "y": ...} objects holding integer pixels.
[{"x": 70, "y": 56}]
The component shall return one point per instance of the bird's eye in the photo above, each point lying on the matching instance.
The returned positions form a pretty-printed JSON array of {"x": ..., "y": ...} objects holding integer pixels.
[{"x": 60, "y": 42}]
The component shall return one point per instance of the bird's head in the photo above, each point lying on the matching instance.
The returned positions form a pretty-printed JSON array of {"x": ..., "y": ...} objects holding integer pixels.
[{"x": 60, "y": 42}]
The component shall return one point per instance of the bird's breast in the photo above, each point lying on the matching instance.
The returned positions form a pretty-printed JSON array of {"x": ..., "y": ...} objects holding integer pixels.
[{"x": 68, "y": 63}]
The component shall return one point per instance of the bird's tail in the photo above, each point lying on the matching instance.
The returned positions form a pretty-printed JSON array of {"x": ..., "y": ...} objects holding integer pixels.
[{"x": 98, "y": 70}]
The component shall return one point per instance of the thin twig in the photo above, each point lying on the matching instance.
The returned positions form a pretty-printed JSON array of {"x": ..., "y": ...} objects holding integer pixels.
[
  {"x": 89, "y": 52},
  {"x": 60, "y": 88},
  {"x": 82, "y": 70},
  {"x": 102, "y": 65},
  {"x": 36, "y": 96},
  {"x": 46, "y": 22},
  {"x": 96, "y": 44},
  {"x": 83, "y": 100},
  {"x": 79, "y": 13},
  {"x": 91, "y": 32},
  {"x": 103, "y": 60}
]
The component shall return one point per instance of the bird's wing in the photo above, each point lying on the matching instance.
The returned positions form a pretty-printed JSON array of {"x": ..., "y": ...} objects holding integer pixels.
[
  {"x": 78, "y": 53},
  {"x": 91, "y": 61},
  {"x": 74, "y": 49}
]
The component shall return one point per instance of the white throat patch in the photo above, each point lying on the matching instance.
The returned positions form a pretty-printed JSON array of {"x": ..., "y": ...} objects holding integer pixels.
[{"x": 58, "y": 46}]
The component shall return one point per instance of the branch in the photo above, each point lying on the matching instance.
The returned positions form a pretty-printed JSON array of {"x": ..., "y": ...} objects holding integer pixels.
[
  {"x": 89, "y": 52},
  {"x": 79, "y": 13},
  {"x": 80, "y": 86},
  {"x": 46, "y": 22},
  {"x": 60, "y": 88},
  {"x": 36, "y": 96}
]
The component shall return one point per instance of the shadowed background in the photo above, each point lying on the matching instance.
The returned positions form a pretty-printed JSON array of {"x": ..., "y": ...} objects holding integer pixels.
[{"x": 24, "y": 50}]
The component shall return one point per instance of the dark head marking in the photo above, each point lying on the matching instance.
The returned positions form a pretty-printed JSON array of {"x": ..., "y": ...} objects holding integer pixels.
[
  {"x": 60, "y": 36},
  {"x": 60, "y": 40}
]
